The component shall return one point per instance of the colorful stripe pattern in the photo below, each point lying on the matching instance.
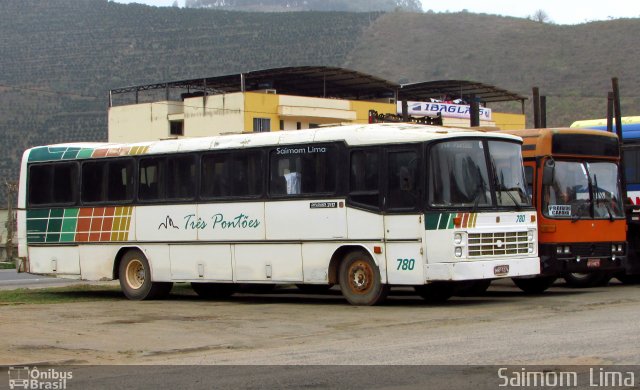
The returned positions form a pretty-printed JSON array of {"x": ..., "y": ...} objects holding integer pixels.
[
  {"x": 53, "y": 153},
  {"x": 87, "y": 224},
  {"x": 443, "y": 221}
]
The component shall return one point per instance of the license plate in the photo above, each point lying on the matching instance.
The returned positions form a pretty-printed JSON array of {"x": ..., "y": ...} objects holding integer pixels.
[
  {"x": 593, "y": 263},
  {"x": 499, "y": 270}
]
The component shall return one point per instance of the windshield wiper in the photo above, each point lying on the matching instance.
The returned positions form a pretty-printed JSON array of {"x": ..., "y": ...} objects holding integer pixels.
[
  {"x": 598, "y": 201},
  {"x": 576, "y": 217},
  {"x": 508, "y": 192},
  {"x": 476, "y": 199},
  {"x": 500, "y": 187}
]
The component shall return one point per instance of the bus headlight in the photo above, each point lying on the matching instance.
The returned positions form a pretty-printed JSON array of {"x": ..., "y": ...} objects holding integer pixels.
[
  {"x": 530, "y": 247},
  {"x": 458, "y": 251},
  {"x": 530, "y": 235},
  {"x": 567, "y": 249},
  {"x": 457, "y": 238}
]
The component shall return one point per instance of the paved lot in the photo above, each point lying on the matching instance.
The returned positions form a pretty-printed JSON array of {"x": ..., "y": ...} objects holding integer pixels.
[{"x": 562, "y": 326}]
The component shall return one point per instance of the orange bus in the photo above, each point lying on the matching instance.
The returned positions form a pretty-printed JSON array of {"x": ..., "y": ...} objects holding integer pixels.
[{"x": 573, "y": 176}]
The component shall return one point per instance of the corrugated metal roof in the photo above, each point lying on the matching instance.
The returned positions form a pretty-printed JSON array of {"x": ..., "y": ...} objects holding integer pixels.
[
  {"x": 456, "y": 89},
  {"x": 315, "y": 81},
  {"x": 328, "y": 82}
]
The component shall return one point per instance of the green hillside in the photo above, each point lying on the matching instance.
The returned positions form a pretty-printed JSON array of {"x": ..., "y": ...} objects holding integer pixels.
[{"x": 59, "y": 58}]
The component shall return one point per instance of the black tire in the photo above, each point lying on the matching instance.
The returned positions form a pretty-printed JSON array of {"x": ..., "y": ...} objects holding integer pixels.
[
  {"x": 473, "y": 287},
  {"x": 535, "y": 285},
  {"x": 436, "y": 292},
  {"x": 214, "y": 290},
  {"x": 593, "y": 279},
  {"x": 135, "y": 278},
  {"x": 628, "y": 279},
  {"x": 360, "y": 280},
  {"x": 314, "y": 288}
]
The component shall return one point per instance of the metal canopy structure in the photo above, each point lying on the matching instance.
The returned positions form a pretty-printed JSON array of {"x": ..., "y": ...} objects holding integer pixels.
[
  {"x": 484, "y": 93},
  {"x": 326, "y": 82},
  {"x": 312, "y": 81}
]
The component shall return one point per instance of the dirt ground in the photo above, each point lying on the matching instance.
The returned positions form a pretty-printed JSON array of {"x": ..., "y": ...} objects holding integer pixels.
[{"x": 562, "y": 326}]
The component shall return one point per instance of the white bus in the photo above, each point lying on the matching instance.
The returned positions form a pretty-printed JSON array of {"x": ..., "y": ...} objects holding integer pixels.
[{"x": 362, "y": 206}]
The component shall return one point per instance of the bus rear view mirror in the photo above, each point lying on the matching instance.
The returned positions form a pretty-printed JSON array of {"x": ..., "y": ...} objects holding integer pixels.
[{"x": 548, "y": 171}]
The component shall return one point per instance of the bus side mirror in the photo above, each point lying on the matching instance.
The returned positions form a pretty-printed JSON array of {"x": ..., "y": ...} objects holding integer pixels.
[{"x": 548, "y": 171}]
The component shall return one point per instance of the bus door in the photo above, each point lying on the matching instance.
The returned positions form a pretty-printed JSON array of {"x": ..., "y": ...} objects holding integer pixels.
[{"x": 403, "y": 220}]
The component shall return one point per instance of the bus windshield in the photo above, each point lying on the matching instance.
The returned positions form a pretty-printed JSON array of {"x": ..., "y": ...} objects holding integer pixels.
[
  {"x": 461, "y": 176},
  {"x": 583, "y": 190}
]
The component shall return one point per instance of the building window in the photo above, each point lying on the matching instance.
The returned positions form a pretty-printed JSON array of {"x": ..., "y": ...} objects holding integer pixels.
[
  {"x": 176, "y": 128},
  {"x": 298, "y": 125},
  {"x": 281, "y": 124},
  {"x": 313, "y": 125},
  {"x": 261, "y": 125}
]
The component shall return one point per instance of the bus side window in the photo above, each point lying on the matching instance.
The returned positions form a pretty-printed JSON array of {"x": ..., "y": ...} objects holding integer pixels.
[
  {"x": 225, "y": 174},
  {"x": 120, "y": 180},
  {"x": 303, "y": 170},
  {"x": 149, "y": 173},
  {"x": 402, "y": 180},
  {"x": 107, "y": 181},
  {"x": 181, "y": 177},
  {"x": 364, "y": 177},
  {"x": 215, "y": 171},
  {"x": 53, "y": 184},
  {"x": 93, "y": 188}
]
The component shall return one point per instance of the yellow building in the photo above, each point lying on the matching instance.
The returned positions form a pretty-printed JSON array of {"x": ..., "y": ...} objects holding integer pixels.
[{"x": 267, "y": 100}]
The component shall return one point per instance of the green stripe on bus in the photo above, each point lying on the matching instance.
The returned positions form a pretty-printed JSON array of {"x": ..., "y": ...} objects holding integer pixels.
[
  {"x": 47, "y": 153},
  {"x": 35, "y": 226},
  {"x": 451, "y": 224},
  {"x": 85, "y": 153},
  {"x": 37, "y": 213},
  {"x": 431, "y": 221},
  {"x": 444, "y": 221},
  {"x": 71, "y": 154}
]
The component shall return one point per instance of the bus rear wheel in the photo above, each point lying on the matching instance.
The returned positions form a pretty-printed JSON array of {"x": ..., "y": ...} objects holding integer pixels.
[
  {"x": 214, "y": 290},
  {"x": 360, "y": 280},
  {"x": 535, "y": 285},
  {"x": 135, "y": 278}
]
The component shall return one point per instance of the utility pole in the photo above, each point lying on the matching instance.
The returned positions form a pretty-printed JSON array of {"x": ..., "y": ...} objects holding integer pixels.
[{"x": 10, "y": 224}]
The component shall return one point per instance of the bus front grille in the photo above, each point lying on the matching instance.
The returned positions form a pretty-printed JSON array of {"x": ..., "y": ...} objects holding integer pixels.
[{"x": 498, "y": 244}]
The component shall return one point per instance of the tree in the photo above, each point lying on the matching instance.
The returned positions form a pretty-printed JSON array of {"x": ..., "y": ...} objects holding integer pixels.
[{"x": 540, "y": 16}]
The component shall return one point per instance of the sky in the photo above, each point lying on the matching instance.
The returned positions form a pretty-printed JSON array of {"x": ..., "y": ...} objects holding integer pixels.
[{"x": 558, "y": 11}]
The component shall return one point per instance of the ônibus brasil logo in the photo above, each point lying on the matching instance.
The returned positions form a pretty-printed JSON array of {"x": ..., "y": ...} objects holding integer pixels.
[{"x": 34, "y": 378}]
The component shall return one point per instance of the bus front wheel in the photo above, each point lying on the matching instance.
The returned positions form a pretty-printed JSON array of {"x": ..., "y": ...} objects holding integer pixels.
[
  {"x": 535, "y": 285},
  {"x": 436, "y": 292},
  {"x": 593, "y": 279},
  {"x": 135, "y": 278},
  {"x": 360, "y": 280}
]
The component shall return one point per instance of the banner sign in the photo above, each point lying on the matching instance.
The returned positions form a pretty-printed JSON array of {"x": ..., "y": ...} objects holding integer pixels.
[{"x": 449, "y": 110}]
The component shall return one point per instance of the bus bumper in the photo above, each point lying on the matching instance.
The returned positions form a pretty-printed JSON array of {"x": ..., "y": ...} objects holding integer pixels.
[
  {"x": 482, "y": 269},
  {"x": 596, "y": 258}
]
